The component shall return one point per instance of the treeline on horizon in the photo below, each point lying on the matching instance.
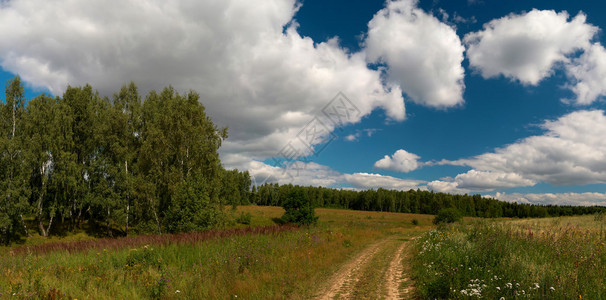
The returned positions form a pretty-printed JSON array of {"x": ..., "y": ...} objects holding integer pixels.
[
  {"x": 414, "y": 201},
  {"x": 119, "y": 164}
]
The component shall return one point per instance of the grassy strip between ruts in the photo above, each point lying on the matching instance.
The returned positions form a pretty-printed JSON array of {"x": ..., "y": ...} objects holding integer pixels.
[{"x": 560, "y": 258}]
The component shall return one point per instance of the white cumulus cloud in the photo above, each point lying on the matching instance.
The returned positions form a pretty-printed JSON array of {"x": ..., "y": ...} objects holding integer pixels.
[
  {"x": 373, "y": 181},
  {"x": 585, "y": 199},
  {"x": 422, "y": 54},
  {"x": 526, "y": 47},
  {"x": 572, "y": 151},
  {"x": 589, "y": 74},
  {"x": 400, "y": 161},
  {"x": 254, "y": 72},
  {"x": 480, "y": 181},
  {"x": 310, "y": 173}
]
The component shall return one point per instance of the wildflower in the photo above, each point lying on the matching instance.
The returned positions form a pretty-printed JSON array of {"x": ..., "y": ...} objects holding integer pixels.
[
  {"x": 177, "y": 291},
  {"x": 552, "y": 288},
  {"x": 498, "y": 288}
]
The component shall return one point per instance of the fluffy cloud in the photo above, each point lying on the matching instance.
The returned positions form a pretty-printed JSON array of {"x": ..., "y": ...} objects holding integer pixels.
[
  {"x": 254, "y": 71},
  {"x": 589, "y": 73},
  {"x": 300, "y": 173},
  {"x": 586, "y": 199},
  {"x": 450, "y": 187},
  {"x": 364, "y": 132},
  {"x": 401, "y": 161},
  {"x": 314, "y": 174},
  {"x": 422, "y": 54},
  {"x": 526, "y": 47},
  {"x": 479, "y": 181},
  {"x": 373, "y": 181},
  {"x": 572, "y": 151}
]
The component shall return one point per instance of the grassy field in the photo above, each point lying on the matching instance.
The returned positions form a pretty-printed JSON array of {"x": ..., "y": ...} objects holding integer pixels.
[
  {"x": 352, "y": 251},
  {"x": 263, "y": 264},
  {"x": 554, "y": 258}
]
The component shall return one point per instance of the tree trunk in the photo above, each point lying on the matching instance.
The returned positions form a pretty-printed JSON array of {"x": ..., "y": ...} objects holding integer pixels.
[
  {"x": 156, "y": 216},
  {"x": 39, "y": 215},
  {"x": 108, "y": 224},
  {"x": 127, "y": 194},
  {"x": 24, "y": 226},
  {"x": 14, "y": 118},
  {"x": 43, "y": 232},
  {"x": 50, "y": 222},
  {"x": 41, "y": 227}
]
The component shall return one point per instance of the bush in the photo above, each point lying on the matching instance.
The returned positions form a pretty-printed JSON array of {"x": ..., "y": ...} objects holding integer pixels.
[
  {"x": 192, "y": 208},
  {"x": 244, "y": 218},
  {"x": 415, "y": 222},
  {"x": 298, "y": 209},
  {"x": 447, "y": 215}
]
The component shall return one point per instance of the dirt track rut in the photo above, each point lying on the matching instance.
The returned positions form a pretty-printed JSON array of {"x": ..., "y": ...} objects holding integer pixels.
[{"x": 349, "y": 276}]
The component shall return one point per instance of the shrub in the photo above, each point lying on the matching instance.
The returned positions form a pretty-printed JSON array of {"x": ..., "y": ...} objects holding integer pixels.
[
  {"x": 447, "y": 215},
  {"x": 192, "y": 208},
  {"x": 298, "y": 209},
  {"x": 142, "y": 257},
  {"x": 244, "y": 218},
  {"x": 415, "y": 222}
]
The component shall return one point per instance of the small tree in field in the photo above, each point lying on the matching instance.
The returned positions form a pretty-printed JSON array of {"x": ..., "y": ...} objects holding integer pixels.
[
  {"x": 447, "y": 215},
  {"x": 192, "y": 208},
  {"x": 298, "y": 209}
]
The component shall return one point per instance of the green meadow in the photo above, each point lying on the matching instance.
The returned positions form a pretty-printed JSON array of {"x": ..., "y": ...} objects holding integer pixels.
[{"x": 550, "y": 258}]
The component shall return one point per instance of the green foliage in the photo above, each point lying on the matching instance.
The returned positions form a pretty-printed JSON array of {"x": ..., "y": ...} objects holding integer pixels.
[
  {"x": 120, "y": 164},
  {"x": 298, "y": 209},
  {"x": 141, "y": 258},
  {"x": 235, "y": 188},
  {"x": 191, "y": 208},
  {"x": 448, "y": 215},
  {"x": 14, "y": 190},
  {"x": 244, "y": 218}
]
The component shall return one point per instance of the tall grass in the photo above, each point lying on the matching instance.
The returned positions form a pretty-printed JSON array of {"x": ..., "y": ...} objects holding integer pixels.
[
  {"x": 153, "y": 239},
  {"x": 252, "y": 263},
  {"x": 556, "y": 259}
]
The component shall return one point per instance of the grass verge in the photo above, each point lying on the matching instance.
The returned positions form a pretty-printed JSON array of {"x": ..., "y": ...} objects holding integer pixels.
[{"x": 563, "y": 258}]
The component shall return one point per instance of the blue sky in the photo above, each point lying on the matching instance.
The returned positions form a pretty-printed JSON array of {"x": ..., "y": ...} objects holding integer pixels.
[{"x": 501, "y": 98}]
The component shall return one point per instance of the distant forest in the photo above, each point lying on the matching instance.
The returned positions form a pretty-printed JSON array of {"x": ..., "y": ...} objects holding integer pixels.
[
  {"x": 124, "y": 164},
  {"x": 414, "y": 201}
]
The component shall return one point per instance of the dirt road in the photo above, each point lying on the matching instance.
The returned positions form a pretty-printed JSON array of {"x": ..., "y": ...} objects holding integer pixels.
[{"x": 380, "y": 271}]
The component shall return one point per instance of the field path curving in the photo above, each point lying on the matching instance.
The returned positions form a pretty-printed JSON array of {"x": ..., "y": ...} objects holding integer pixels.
[
  {"x": 394, "y": 274},
  {"x": 397, "y": 282},
  {"x": 383, "y": 259}
]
